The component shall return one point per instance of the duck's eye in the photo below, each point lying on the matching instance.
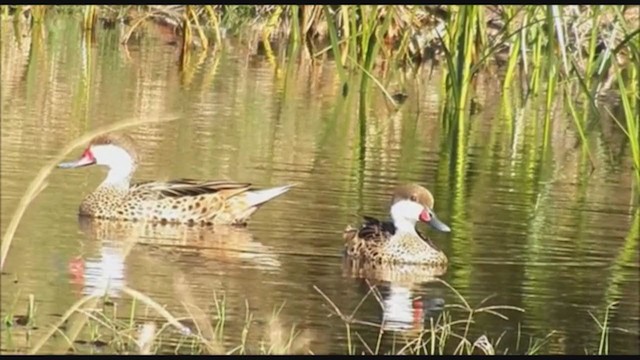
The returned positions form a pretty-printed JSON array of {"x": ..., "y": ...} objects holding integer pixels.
[{"x": 413, "y": 198}]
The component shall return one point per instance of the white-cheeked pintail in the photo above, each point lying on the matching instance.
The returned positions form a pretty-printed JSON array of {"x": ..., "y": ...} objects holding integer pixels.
[
  {"x": 398, "y": 241},
  {"x": 204, "y": 202}
]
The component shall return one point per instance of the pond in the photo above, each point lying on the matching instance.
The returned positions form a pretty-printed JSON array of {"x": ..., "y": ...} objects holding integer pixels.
[{"x": 542, "y": 227}]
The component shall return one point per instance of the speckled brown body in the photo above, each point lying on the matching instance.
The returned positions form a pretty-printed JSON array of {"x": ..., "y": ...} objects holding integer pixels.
[
  {"x": 179, "y": 201},
  {"x": 377, "y": 242}
]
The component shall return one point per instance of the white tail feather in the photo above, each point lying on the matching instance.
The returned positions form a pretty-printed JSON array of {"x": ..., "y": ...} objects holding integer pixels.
[{"x": 259, "y": 197}]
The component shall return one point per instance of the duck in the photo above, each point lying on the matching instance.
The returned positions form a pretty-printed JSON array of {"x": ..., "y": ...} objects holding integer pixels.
[
  {"x": 178, "y": 201},
  {"x": 398, "y": 241}
]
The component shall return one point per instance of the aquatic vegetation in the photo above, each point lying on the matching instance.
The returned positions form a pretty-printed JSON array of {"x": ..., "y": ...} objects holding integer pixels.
[
  {"x": 584, "y": 56},
  {"x": 27, "y": 320},
  {"x": 93, "y": 324},
  {"x": 568, "y": 49}
]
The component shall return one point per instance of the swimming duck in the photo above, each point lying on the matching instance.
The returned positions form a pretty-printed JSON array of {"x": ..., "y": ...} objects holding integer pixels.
[
  {"x": 398, "y": 241},
  {"x": 185, "y": 201}
]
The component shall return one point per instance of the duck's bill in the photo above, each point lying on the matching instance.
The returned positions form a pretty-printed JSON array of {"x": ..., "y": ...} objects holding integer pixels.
[
  {"x": 83, "y": 161},
  {"x": 438, "y": 225},
  {"x": 429, "y": 216}
]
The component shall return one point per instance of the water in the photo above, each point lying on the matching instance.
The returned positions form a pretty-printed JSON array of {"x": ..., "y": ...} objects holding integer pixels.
[{"x": 531, "y": 228}]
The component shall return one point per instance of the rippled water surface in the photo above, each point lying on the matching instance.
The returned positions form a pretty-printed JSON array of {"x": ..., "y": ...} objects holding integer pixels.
[{"x": 532, "y": 227}]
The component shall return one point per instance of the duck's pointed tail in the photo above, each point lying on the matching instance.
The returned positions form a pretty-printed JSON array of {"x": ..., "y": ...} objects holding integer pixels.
[{"x": 256, "y": 198}]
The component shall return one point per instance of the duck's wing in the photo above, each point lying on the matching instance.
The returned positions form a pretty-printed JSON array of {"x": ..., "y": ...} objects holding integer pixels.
[
  {"x": 374, "y": 229},
  {"x": 189, "y": 187},
  {"x": 371, "y": 229}
]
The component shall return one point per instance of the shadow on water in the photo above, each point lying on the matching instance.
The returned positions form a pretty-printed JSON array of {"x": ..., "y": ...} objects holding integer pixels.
[{"x": 533, "y": 226}]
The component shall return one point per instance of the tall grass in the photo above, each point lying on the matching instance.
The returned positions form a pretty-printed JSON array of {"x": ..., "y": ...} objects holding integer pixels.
[
  {"x": 554, "y": 40},
  {"x": 603, "y": 345},
  {"x": 630, "y": 104},
  {"x": 90, "y": 17}
]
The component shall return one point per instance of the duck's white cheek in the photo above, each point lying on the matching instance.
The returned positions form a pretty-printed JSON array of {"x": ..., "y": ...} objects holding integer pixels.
[
  {"x": 406, "y": 209},
  {"x": 106, "y": 159},
  {"x": 110, "y": 155}
]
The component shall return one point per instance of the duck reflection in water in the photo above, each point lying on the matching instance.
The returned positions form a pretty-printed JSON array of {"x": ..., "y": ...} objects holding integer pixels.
[
  {"x": 403, "y": 310},
  {"x": 163, "y": 245},
  {"x": 407, "y": 300}
]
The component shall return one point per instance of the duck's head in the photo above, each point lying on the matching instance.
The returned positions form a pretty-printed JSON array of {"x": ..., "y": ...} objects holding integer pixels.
[
  {"x": 412, "y": 203},
  {"x": 115, "y": 151}
]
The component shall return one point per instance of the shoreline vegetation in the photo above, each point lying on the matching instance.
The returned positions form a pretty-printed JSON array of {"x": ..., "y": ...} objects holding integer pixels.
[
  {"x": 586, "y": 56},
  {"x": 95, "y": 325}
]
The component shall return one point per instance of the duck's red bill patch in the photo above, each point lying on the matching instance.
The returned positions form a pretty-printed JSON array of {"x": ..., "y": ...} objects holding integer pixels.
[{"x": 424, "y": 216}]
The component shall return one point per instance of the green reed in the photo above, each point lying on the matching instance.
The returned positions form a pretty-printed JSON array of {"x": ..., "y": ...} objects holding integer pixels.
[
  {"x": 603, "y": 347},
  {"x": 627, "y": 80},
  {"x": 90, "y": 17},
  {"x": 191, "y": 20},
  {"x": 335, "y": 45},
  {"x": 539, "y": 39},
  {"x": 38, "y": 13},
  {"x": 461, "y": 55},
  {"x": 629, "y": 98},
  {"x": 627, "y": 258},
  {"x": 28, "y": 320},
  {"x": 514, "y": 59},
  {"x": 214, "y": 23}
]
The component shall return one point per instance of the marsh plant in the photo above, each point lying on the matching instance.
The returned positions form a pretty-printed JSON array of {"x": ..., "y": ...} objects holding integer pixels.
[{"x": 585, "y": 55}]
